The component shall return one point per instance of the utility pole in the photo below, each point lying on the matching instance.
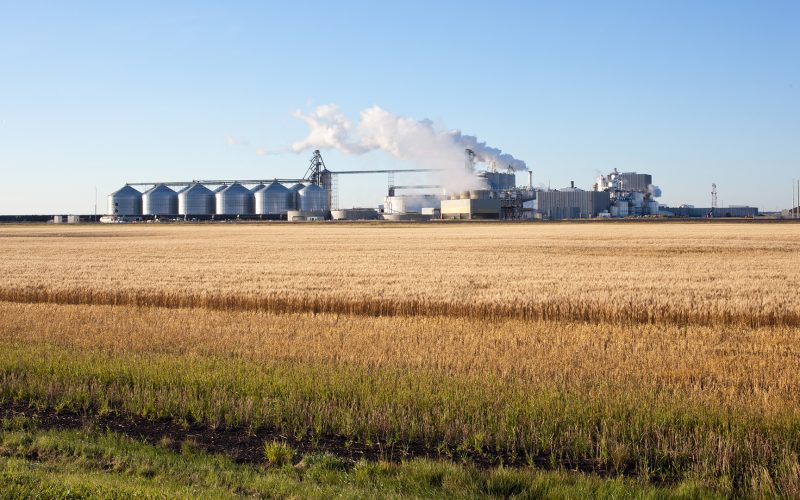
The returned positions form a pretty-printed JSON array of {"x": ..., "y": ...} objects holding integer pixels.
[
  {"x": 796, "y": 205},
  {"x": 713, "y": 200},
  {"x": 713, "y": 196}
]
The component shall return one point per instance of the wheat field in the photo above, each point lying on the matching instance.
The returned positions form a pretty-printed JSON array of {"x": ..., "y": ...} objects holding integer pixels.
[
  {"x": 655, "y": 273},
  {"x": 664, "y": 351}
]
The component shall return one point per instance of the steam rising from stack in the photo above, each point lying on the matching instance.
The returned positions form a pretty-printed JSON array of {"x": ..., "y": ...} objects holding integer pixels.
[
  {"x": 654, "y": 190},
  {"x": 404, "y": 138}
]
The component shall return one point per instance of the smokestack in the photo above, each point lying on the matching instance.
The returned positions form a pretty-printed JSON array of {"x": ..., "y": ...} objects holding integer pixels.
[
  {"x": 530, "y": 179},
  {"x": 572, "y": 184}
]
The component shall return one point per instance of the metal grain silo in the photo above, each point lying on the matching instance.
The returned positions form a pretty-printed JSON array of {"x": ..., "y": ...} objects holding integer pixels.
[
  {"x": 196, "y": 199},
  {"x": 235, "y": 199},
  {"x": 274, "y": 199},
  {"x": 259, "y": 187},
  {"x": 296, "y": 189},
  {"x": 160, "y": 200},
  {"x": 313, "y": 198},
  {"x": 125, "y": 201}
]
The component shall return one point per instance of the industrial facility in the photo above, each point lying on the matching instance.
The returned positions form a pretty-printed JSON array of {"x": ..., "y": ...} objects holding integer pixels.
[
  {"x": 493, "y": 194},
  {"x": 315, "y": 197}
]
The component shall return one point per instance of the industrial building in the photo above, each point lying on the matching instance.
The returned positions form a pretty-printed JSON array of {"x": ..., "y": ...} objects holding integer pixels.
[
  {"x": 709, "y": 212},
  {"x": 572, "y": 203},
  {"x": 471, "y": 208},
  {"x": 630, "y": 193},
  {"x": 617, "y": 194},
  {"x": 620, "y": 195}
]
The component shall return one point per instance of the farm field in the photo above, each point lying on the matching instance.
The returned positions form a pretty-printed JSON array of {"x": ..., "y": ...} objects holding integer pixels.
[{"x": 666, "y": 354}]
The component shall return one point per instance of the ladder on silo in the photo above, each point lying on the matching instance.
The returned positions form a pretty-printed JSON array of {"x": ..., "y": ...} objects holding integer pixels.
[{"x": 334, "y": 191}]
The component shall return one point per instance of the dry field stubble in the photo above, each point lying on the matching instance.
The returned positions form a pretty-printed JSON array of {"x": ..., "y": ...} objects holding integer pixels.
[{"x": 661, "y": 349}]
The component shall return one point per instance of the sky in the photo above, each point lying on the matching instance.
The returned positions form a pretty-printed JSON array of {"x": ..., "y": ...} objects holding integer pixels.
[{"x": 97, "y": 94}]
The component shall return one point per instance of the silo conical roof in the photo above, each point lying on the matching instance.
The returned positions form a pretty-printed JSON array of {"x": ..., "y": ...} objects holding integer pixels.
[{"x": 126, "y": 191}]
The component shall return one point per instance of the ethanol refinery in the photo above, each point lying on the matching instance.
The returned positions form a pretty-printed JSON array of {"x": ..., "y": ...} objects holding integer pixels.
[{"x": 493, "y": 194}]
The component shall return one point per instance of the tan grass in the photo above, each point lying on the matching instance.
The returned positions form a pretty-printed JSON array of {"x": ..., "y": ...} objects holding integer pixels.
[{"x": 734, "y": 368}]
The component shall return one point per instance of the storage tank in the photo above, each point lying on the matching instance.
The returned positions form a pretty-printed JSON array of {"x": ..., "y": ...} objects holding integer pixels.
[
  {"x": 312, "y": 198},
  {"x": 652, "y": 207},
  {"x": 160, "y": 200},
  {"x": 235, "y": 199},
  {"x": 125, "y": 201},
  {"x": 196, "y": 199},
  {"x": 257, "y": 188},
  {"x": 274, "y": 199},
  {"x": 296, "y": 189}
]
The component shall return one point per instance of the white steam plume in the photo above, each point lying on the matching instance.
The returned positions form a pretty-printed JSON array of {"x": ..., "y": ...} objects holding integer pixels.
[
  {"x": 405, "y": 138},
  {"x": 654, "y": 190}
]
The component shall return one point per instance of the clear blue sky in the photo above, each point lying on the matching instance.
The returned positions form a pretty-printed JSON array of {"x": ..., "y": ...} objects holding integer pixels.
[{"x": 96, "y": 94}]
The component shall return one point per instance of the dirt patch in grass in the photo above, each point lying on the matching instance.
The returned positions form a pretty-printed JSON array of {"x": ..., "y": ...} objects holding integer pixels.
[{"x": 247, "y": 446}]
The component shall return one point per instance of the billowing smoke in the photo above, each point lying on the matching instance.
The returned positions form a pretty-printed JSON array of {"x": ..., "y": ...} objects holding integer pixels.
[
  {"x": 654, "y": 190},
  {"x": 418, "y": 141}
]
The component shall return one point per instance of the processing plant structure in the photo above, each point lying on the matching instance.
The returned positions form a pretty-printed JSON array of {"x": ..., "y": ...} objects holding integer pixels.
[{"x": 492, "y": 194}]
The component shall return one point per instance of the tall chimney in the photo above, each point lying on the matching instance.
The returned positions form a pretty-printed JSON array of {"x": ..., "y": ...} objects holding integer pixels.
[
  {"x": 530, "y": 179},
  {"x": 572, "y": 184}
]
